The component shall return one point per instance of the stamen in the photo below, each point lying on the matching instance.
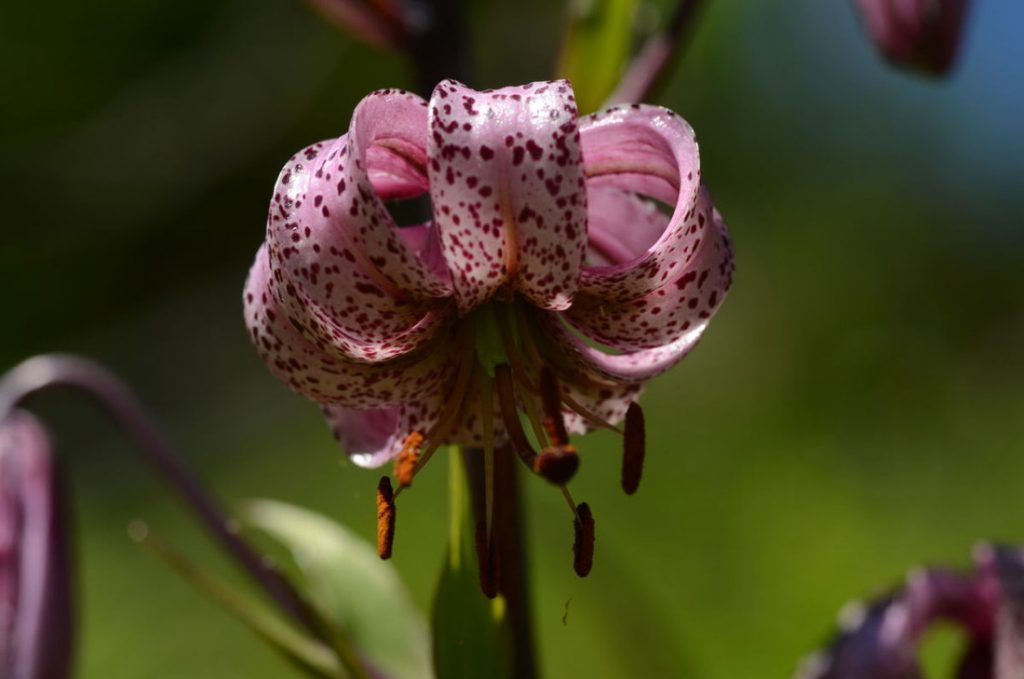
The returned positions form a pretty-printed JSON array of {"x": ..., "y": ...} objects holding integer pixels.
[
  {"x": 634, "y": 444},
  {"x": 510, "y": 416},
  {"x": 450, "y": 416},
  {"x": 487, "y": 565},
  {"x": 385, "y": 518},
  {"x": 487, "y": 417},
  {"x": 405, "y": 465},
  {"x": 519, "y": 371},
  {"x": 583, "y": 545},
  {"x": 551, "y": 398},
  {"x": 595, "y": 420}
]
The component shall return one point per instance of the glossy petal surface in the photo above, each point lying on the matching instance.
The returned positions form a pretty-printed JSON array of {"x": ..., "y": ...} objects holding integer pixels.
[
  {"x": 690, "y": 292},
  {"x": 650, "y": 151},
  {"x": 507, "y": 185},
  {"x": 345, "y": 273}
]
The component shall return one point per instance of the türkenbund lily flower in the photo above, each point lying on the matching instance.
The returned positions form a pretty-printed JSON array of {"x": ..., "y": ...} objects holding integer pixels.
[
  {"x": 549, "y": 282},
  {"x": 35, "y": 599},
  {"x": 879, "y": 640},
  {"x": 922, "y": 34}
]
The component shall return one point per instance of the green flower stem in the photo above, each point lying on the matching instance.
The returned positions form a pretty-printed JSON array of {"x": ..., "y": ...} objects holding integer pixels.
[{"x": 474, "y": 636}]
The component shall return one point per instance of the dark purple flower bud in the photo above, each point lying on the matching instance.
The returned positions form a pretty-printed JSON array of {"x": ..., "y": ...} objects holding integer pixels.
[
  {"x": 922, "y": 34},
  {"x": 35, "y": 584},
  {"x": 879, "y": 640}
]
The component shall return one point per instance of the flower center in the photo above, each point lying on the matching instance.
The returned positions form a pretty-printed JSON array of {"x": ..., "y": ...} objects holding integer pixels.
[{"x": 502, "y": 378}]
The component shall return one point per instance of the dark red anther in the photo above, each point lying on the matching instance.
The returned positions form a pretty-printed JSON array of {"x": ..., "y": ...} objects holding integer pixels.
[
  {"x": 558, "y": 464},
  {"x": 487, "y": 563},
  {"x": 583, "y": 545},
  {"x": 385, "y": 518},
  {"x": 634, "y": 445},
  {"x": 551, "y": 400}
]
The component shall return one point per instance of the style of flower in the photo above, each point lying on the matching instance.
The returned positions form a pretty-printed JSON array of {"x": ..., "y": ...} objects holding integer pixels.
[
  {"x": 922, "y": 34},
  {"x": 548, "y": 284},
  {"x": 879, "y": 640},
  {"x": 35, "y": 599}
]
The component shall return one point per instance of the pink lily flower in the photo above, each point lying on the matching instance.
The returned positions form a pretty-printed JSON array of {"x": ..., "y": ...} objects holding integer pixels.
[
  {"x": 880, "y": 640},
  {"x": 35, "y": 588},
  {"x": 923, "y": 34},
  {"x": 547, "y": 284}
]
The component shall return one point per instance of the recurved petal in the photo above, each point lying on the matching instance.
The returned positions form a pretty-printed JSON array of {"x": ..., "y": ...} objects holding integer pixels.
[
  {"x": 373, "y": 437},
  {"x": 650, "y": 151},
  {"x": 507, "y": 185},
  {"x": 565, "y": 348},
  {"x": 343, "y": 270},
  {"x": 609, "y": 208},
  {"x": 691, "y": 289},
  {"x": 316, "y": 373}
]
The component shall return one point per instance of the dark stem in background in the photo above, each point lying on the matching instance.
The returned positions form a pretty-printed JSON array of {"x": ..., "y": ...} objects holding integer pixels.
[
  {"x": 43, "y": 373},
  {"x": 436, "y": 45},
  {"x": 510, "y": 548},
  {"x": 652, "y": 64}
]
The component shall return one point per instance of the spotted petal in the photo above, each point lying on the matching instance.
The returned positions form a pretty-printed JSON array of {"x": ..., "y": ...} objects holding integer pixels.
[
  {"x": 607, "y": 402},
  {"x": 507, "y": 185},
  {"x": 313, "y": 371},
  {"x": 373, "y": 437},
  {"x": 690, "y": 290},
  {"x": 567, "y": 349},
  {"x": 650, "y": 151},
  {"x": 347, "y": 276}
]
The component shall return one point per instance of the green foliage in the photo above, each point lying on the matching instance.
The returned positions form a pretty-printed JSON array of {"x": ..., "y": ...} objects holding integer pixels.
[
  {"x": 346, "y": 579},
  {"x": 597, "y": 46},
  {"x": 308, "y": 655}
]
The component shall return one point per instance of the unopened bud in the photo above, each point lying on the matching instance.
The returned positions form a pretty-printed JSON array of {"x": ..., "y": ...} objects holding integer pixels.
[
  {"x": 35, "y": 582},
  {"x": 922, "y": 34}
]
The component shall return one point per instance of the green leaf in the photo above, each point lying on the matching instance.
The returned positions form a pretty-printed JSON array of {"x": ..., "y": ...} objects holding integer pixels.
[
  {"x": 471, "y": 636},
  {"x": 597, "y": 46},
  {"x": 309, "y": 655},
  {"x": 348, "y": 582}
]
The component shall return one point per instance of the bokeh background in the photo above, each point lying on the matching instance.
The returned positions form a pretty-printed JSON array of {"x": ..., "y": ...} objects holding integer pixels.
[{"x": 856, "y": 408}]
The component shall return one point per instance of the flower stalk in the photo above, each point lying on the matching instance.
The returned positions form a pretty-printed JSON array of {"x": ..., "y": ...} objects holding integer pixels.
[
  {"x": 651, "y": 65},
  {"x": 54, "y": 371}
]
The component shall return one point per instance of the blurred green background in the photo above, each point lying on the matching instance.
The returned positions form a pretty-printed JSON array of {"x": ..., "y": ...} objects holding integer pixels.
[{"x": 856, "y": 408}]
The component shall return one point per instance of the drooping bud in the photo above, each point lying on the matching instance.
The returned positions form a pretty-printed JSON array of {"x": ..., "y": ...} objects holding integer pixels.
[
  {"x": 922, "y": 34},
  {"x": 583, "y": 545},
  {"x": 385, "y": 518},
  {"x": 634, "y": 448},
  {"x": 35, "y": 583}
]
